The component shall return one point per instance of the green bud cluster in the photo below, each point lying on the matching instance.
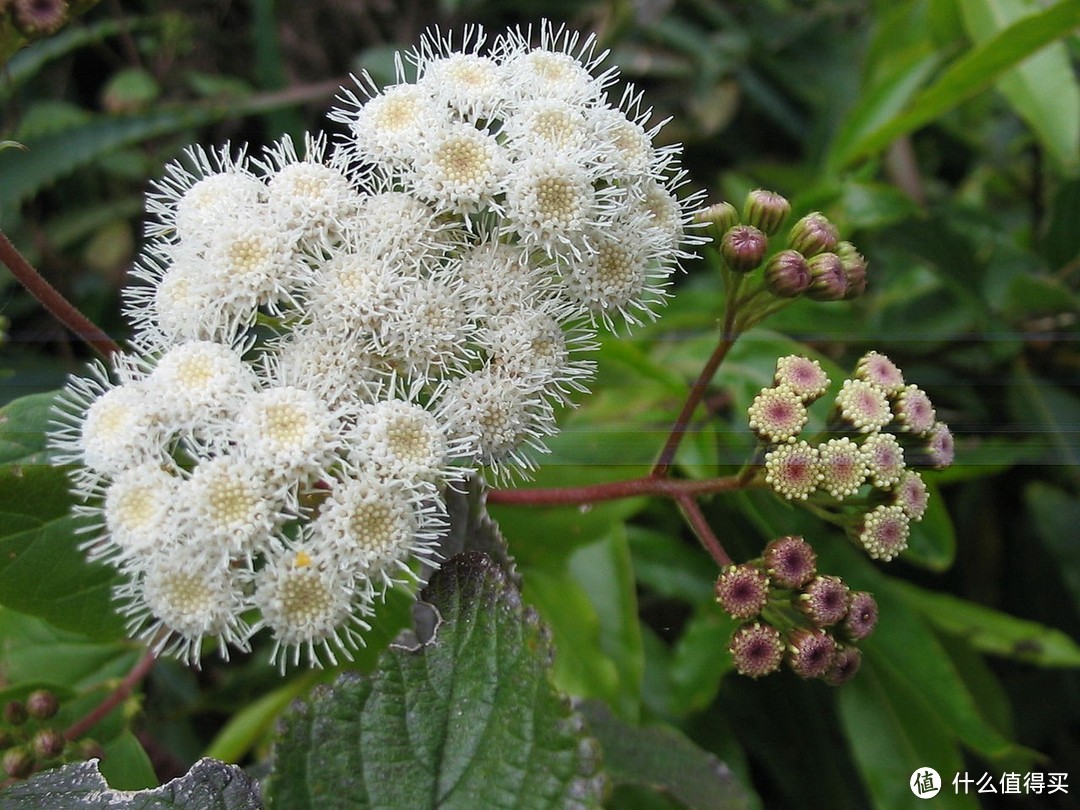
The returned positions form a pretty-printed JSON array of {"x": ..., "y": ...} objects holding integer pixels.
[
  {"x": 863, "y": 468},
  {"x": 812, "y": 260},
  {"x": 29, "y": 742},
  {"x": 792, "y": 615}
]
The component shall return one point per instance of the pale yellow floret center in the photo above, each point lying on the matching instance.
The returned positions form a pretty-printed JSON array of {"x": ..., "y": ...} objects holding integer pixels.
[
  {"x": 408, "y": 440},
  {"x": 195, "y": 372},
  {"x": 305, "y": 599},
  {"x": 285, "y": 424},
  {"x": 307, "y": 181},
  {"x": 111, "y": 420},
  {"x": 396, "y": 114},
  {"x": 372, "y": 526},
  {"x": 554, "y": 126},
  {"x": 557, "y": 198},
  {"x": 231, "y": 501},
  {"x": 630, "y": 141},
  {"x": 135, "y": 509},
  {"x": 548, "y": 67},
  {"x": 471, "y": 74},
  {"x": 498, "y": 426},
  {"x": 186, "y": 595},
  {"x": 461, "y": 160},
  {"x": 246, "y": 254},
  {"x": 615, "y": 268}
]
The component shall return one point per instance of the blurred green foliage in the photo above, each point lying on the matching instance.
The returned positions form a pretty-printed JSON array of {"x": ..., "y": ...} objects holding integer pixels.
[{"x": 941, "y": 135}]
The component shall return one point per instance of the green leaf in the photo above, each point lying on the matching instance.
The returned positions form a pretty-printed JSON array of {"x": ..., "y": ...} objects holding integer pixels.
[
  {"x": 932, "y": 542},
  {"x": 468, "y": 721},
  {"x": 1061, "y": 243},
  {"x": 23, "y": 423},
  {"x": 1042, "y": 89},
  {"x": 208, "y": 785},
  {"x": 1056, "y": 515},
  {"x": 701, "y": 659},
  {"x": 991, "y": 631},
  {"x": 661, "y": 758},
  {"x": 971, "y": 74},
  {"x": 125, "y": 764},
  {"x": 42, "y": 571}
]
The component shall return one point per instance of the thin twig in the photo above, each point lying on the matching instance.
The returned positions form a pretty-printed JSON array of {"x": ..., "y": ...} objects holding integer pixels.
[
  {"x": 58, "y": 306},
  {"x": 613, "y": 490},
  {"x": 694, "y": 516},
  {"x": 115, "y": 698}
]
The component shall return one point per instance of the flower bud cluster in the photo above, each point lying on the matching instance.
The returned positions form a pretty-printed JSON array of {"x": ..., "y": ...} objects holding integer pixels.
[
  {"x": 326, "y": 339},
  {"x": 793, "y": 615},
  {"x": 879, "y": 428},
  {"x": 28, "y": 741},
  {"x": 34, "y": 18},
  {"x": 813, "y": 261}
]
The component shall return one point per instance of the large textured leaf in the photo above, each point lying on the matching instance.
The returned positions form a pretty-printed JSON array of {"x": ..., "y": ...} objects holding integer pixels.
[
  {"x": 971, "y": 74},
  {"x": 1043, "y": 89},
  {"x": 23, "y": 423},
  {"x": 468, "y": 721},
  {"x": 663, "y": 759},
  {"x": 42, "y": 571},
  {"x": 208, "y": 785}
]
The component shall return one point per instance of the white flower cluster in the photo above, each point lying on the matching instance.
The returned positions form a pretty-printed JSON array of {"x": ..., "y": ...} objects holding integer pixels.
[{"x": 326, "y": 340}]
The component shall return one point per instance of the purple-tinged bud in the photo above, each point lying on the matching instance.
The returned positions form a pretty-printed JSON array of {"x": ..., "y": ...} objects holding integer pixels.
[
  {"x": 38, "y": 18},
  {"x": 843, "y": 467},
  {"x": 15, "y": 713},
  {"x": 911, "y": 495},
  {"x": 813, "y": 234},
  {"x": 48, "y": 743},
  {"x": 777, "y": 415},
  {"x": 854, "y": 269},
  {"x": 743, "y": 247},
  {"x": 719, "y": 218},
  {"x": 940, "y": 448},
  {"x": 862, "y": 406},
  {"x": 884, "y": 460},
  {"x": 884, "y": 532},
  {"x": 802, "y": 375},
  {"x": 876, "y": 368},
  {"x": 914, "y": 411},
  {"x": 845, "y": 664},
  {"x": 827, "y": 279},
  {"x": 42, "y": 704},
  {"x": 824, "y": 601},
  {"x": 18, "y": 763},
  {"x": 757, "y": 649},
  {"x": 742, "y": 591},
  {"x": 793, "y": 470},
  {"x": 862, "y": 616},
  {"x": 765, "y": 210},
  {"x": 810, "y": 652},
  {"x": 790, "y": 561},
  {"x": 787, "y": 275}
]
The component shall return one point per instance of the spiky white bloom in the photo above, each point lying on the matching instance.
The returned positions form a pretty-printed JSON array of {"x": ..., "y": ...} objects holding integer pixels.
[
  {"x": 546, "y": 125},
  {"x": 472, "y": 86},
  {"x": 287, "y": 430},
  {"x": 374, "y": 525},
  {"x": 460, "y": 168},
  {"x": 355, "y": 294},
  {"x": 389, "y": 127},
  {"x": 188, "y": 200},
  {"x": 550, "y": 200},
  {"x": 561, "y": 67},
  {"x": 398, "y": 439},
  {"x": 505, "y": 415},
  {"x": 336, "y": 370},
  {"x": 626, "y": 144},
  {"x": 140, "y": 512},
  {"x": 501, "y": 279},
  {"x": 430, "y": 329},
  {"x": 201, "y": 381},
  {"x": 176, "y": 600},
  {"x": 399, "y": 229},
  {"x": 232, "y": 507},
  {"x": 312, "y": 607},
  {"x": 313, "y": 195}
]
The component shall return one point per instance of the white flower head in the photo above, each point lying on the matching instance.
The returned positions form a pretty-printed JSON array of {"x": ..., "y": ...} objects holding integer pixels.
[
  {"x": 177, "y": 600},
  {"x": 331, "y": 366},
  {"x": 500, "y": 279},
  {"x": 400, "y": 229},
  {"x": 289, "y": 431},
  {"x": 389, "y": 126},
  {"x": 398, "y": 439},
  {"x": 469, "y": 84},
  {"x": 549, "y": 125},
  {"x": 561, "y": 67},
  {"x": 374, "y": 526},
  {"x": 311, "y": 606},
  {"x": 460, "y": 168},
  {"x": 430, "y": 330},
  {"x": 186, "y": 201},
  {"x": 201, "y": 381},
  {"x": 140, "y": 512}
]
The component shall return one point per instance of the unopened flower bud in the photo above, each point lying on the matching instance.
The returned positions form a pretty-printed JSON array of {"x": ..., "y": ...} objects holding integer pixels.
[
  {"x": 824, "y": 600},
  {"x": 862, "y": 616},
  {"x": 743, "y": 247},
  {"x": 884, "y": 532},
  {"x": 827, "y": 279},
  {"x": 18, "y": 763},
  {"x": 813, "y": 234},
  {"x": 42, "y": 704},
  {"x": 48, "y": 743},
  {"x": 757, "y": 649},
  {"x": 15, "y": 712},
  {"x": 790, "y": 561},
  {"x": 765, "y": 210},
  {"x": 719, "y": 217},
  {"x": 854, "y": 269},
  {"x": 742, "y": 591},
  {"x": 787, "y": 275},
  {"x": 810, "y": 652},
  {"x": 38, "y": 18},
  {"x": 845, "y": 664},
  {"x": 940, "y": 448}
]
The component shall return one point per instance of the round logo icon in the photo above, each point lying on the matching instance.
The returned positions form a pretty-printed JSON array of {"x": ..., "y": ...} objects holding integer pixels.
[{"x": 925, "y": 783}]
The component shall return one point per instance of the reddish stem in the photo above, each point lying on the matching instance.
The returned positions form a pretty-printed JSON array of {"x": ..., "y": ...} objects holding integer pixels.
[
  {"x": 671, "y": 446},
  {"x": 613, "y": 490},
  {"x": 700, "y": 525},
  {"x": 58, "y": 306},
  {"x": 118, "y": 696}
]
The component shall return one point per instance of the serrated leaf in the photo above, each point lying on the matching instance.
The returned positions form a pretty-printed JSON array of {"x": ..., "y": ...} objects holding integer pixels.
[
  {"x": 468, "y": 721},
  {"x": 42, "y": 571},
  {"x": 661, "y": 758},
  {"x": 992, "y": 631},
  {"x": 23, "y": 423},
  {"x": 209, "y": 785}
]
